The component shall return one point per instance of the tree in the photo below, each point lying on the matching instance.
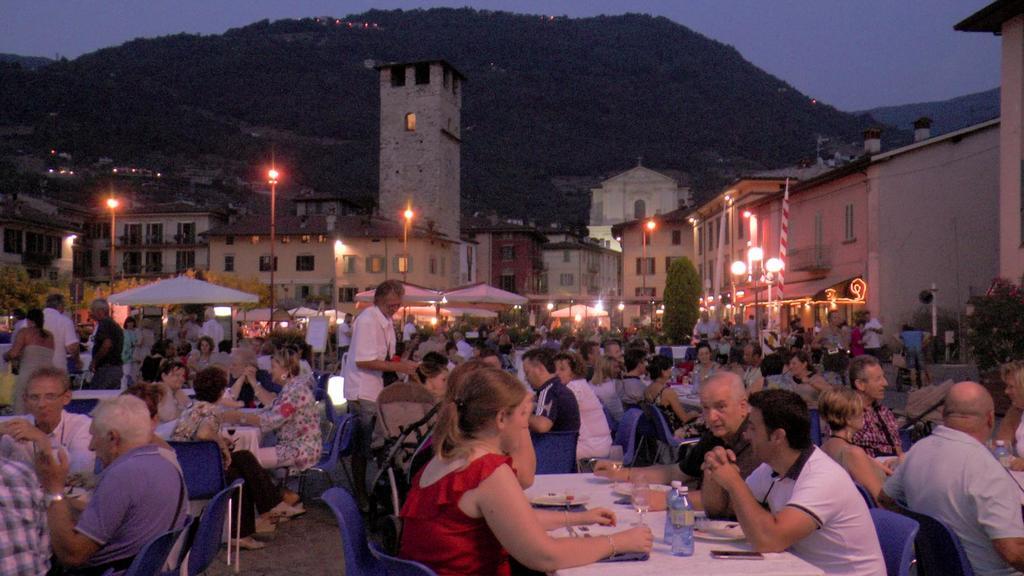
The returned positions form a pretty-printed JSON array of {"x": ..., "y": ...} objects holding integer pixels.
[
  {"x": 682, "y": 290},
  {"x": 995, "y": 330}
]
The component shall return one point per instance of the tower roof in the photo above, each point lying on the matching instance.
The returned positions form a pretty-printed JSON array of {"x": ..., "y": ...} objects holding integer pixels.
[{"x": 440, "y": 61}]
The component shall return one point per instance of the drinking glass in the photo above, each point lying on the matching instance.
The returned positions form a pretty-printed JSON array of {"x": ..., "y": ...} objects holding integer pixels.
[
  {"x": 615, "y": 457},
  {"x": 641, "y": 492}
]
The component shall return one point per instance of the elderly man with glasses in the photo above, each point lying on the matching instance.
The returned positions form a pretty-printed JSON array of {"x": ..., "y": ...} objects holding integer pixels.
[{"x": 48, "y": 392}]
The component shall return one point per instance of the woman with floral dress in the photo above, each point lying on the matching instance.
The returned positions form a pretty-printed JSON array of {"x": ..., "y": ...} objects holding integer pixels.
[{"x": 293, "y": 417}]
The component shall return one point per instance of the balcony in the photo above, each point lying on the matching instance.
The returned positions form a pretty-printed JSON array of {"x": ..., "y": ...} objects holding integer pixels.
[
  {"x": 129, "y": 240},
  {"x": 37, "y": 259},
  {"x": 816, "y": 258}
]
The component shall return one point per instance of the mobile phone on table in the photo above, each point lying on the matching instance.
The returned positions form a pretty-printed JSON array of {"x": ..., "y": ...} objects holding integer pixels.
[{"x": 736, "y": 555}]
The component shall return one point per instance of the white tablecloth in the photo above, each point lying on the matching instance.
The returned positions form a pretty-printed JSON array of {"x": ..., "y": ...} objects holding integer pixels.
[{"x": 662, "y": 561}]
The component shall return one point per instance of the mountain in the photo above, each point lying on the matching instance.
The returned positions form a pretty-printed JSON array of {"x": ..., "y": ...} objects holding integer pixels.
[
  {"x": 28, "y": 62},
  {"x": 946, "y": 115},
  {"x": 547, "y": 99}
]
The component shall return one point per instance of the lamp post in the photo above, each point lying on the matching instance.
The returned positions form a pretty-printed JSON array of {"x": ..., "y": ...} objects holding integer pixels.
[
  {"x": 757, "y": 271},
  {"x": 648, "y": 227},
  {"x": 272, "y": 176},
  {"x": 408, "y": 214},
  {"x": 112, "y": 203}
]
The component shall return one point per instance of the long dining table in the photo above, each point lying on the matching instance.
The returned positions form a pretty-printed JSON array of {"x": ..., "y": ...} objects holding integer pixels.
[{"x": 597, "y": 492}]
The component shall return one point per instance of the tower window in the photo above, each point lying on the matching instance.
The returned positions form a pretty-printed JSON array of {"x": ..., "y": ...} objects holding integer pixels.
[
  {"x": 397, "y": 76},
  {"x": 410, "y": 122},
  {"x": 423, "y": 73}
]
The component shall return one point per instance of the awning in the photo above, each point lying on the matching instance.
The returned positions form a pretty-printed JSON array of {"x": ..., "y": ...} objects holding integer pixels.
[{"x": 820, "y": 290}]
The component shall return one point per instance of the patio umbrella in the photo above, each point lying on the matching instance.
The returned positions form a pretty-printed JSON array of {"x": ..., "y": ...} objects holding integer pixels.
[
  {"x": 413, "y": 295},
  {"x": 181, "y": 290},
  {"x": 580, "y": 310},
  {"x": 483, "y": 295}
]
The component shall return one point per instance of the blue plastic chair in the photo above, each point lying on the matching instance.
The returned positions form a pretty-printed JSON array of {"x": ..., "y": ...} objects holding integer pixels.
[
  {"x": 399, "y": 567},
  {"x": 627, "y": 434},
  {"x": 662, "y": 432},
  {"x": 868, "y": 498},
  {"x": 331, "y": 454},
  {"x": 815, "y": 426},
  {"x": 556, "y": 452},
  {"x": 206, "y": 543},
  {"x": 359, "y": 559},
  {"x": 150, "y": 560},
  {"x": 202, "y": 466},
  {"x": 82, "y": 405},
  {"x": 939, "y": 550},
  {"x": 896, "y": 534}
]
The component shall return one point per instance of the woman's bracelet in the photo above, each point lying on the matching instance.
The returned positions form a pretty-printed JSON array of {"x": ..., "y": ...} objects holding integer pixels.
[{"x": 612, "y": 542}]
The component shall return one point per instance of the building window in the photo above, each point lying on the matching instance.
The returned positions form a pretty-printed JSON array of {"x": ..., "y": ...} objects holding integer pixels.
[
  {"x": 508, "y": 253},
  {"x": 507, "y": 282},
  {"x": 132, "y": 262},
  {"x": 739, "y": 229},
  {"x": 700, "y": 240},
  {"x": 154, "y": 262},
  {"x": 566, "y": 256},
  {"x": 304, "y": 263},
  {"x": 104, "y": 258},
  {"x": 423, "y": 73},
  {"x": 229, "y": 240},
  {"x": 186, "y": 233},
  {"x": 154, "y": 233},
  {"x": 397, "y": 76},
  {"x": 650, "y": 266},
  {"x": 677, "y": 237},
  {"x": 819, "y": 230},
  {"x": 444, "y": 264},
  {"x": 566, "y": 279},
  {"x": 304, "y": 238},
  {"x": 133, "y": 234},
  {"x": 265, "y": 263},
  {"x": 445, "y": 76},
  {"x": 347, "y": 294},
  {"x": 639, "y": 210},
  {"x": 184, "y": 260},
  {"x": 848, "y": 224},
  {"x": 650, "y": 292},
  {"x": 374, "y": 264},
  {"x": 229, "y": 263},
  {"x": 433, "y": 264},
  {"x": 401, "y": 264},
  {"x": 410, "y": 122},
  {"x": 668, "y": 262},
  {"x": 13, "y": 241},
  {"x": 348, "y": 264}
]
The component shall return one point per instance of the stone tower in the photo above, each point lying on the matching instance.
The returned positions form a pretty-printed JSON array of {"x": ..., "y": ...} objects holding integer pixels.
[{"x": 420, "y": 143}]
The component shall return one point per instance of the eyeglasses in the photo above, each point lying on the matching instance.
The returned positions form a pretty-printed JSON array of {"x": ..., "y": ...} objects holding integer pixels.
[{"x": 37, "y": 398}]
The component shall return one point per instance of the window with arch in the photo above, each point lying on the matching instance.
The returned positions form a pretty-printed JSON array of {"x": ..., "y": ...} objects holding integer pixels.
[
  {"x": 639, "y": 210},
  {"x": 410, "y": 122}
]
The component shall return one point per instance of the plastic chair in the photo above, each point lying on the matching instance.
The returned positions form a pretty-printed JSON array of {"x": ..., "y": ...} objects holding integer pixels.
[
  {"x": 331, "y": 455},
  {"x": 662, "y": 432},
  {"x": 868, "y": 498},
  {"x": 150, "y": 560},
  {"x": 613, "y": 425},
  {"x": 939, "y": 550},
  {"x": 359, "y": 560},
  {"x": 399, "y": 567},
  {"x": 81, "y": 405},
  {"x": 896, "y": 534},
  {"x": 627, "y": 434},
  {"x": 815, "y": 426},
  {"x": 202, "y": 466},
  {"x": 556, "y": 452},
  {"x": 206, "y": 543}
]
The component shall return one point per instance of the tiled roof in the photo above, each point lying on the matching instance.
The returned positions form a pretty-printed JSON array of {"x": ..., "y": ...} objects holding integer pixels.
[
  {"x": 17, "y": 212},
  {"x": 345, "y": 227}
]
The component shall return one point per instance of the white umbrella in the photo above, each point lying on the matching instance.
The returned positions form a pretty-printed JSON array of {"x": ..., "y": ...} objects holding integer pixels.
[
  {"x": 456, "y": 312},
  {"x": 481, "y": 293},
  {"x": 180, "y": 290},
  {"x": 413, "y": 295},
  {"x": 579, "y": 310}
]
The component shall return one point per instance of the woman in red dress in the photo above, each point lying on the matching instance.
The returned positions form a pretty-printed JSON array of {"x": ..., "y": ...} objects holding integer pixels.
[{"x": 466, "y": 511}]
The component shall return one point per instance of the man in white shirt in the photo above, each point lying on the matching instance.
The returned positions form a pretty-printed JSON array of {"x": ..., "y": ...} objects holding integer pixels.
[
  {"x": 48, "y": 392},
  {"x": 65, "y": 337},
  {"x": 952, "y": 477},
  {"x": 369, "y": 357},
  {"x": 212, "y": 328},
  {"x": 465, "y": 348},
  {"x": 872, "y": 338},
  {"x": 409, "y": 329},
  {"x": 798, "y": 499},
  {"x": 344, "y": 335}
]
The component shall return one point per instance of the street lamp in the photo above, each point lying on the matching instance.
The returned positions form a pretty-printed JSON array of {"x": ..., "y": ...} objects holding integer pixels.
[
  {"x": 112, "y": 203},
  {"x": 757, "y": 271},
  {"x": 272, "y": 176},
  {"x": 408, "y": 214},
  {"x": 648, "y": 227}
]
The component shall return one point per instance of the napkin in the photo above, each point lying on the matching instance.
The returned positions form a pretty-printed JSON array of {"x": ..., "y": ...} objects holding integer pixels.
[{"x": 573, "y": 508}]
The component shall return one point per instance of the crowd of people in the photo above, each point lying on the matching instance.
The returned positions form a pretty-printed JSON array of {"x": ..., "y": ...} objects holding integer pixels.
[{"x": 482, "y": 402}]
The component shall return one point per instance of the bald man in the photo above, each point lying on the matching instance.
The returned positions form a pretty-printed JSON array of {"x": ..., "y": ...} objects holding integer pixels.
[
  {"x": 723, "y": 401},
  {"x": 952, "y": 476}
]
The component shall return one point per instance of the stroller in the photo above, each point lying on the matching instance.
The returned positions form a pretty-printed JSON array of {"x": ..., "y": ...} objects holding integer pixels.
[{"x": 405, "y": 418}]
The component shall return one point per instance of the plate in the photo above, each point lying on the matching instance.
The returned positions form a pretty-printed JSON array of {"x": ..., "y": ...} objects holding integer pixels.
[
  {"x": 558, "y": 499},
  {"x": 626, "y": 489},
  {"x": 718, "y": 531}
]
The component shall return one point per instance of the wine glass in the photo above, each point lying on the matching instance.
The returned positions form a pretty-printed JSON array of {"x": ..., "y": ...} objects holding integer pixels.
[
  {"x": 615, "y": 458},
  {"x": 641, "y": 492}
]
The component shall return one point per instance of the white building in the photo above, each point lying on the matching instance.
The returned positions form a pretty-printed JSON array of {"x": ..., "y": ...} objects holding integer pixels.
[{"x": 635, "y": 194}]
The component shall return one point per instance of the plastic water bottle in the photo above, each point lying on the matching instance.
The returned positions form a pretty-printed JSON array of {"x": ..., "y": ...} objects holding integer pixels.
[
  {"x": 1002, "y": 453},
  {"x": 670, "y": 499},
  {"x": 681, "y": 517}
]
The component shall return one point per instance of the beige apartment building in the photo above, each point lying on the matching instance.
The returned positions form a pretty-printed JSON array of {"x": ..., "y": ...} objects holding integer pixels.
[
  {"x": 643, "y": 281},
  {"x": 584, "y": 270},
  {"x": 316, "y": 253},
  {"x": 41, "y": 242}
]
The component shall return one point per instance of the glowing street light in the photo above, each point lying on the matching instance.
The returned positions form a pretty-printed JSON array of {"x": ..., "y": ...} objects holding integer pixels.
[
  {"x": 649, "y": 227},
  {"x": 272, "y": 177},
  {"x": 551, "y": 306},
  {"x": 112, "y": 203},
  {"x": 408, "y": 214}
]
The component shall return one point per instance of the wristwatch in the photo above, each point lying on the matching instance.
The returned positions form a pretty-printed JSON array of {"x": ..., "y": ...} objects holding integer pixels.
[{"x": 51, "y": 498}]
